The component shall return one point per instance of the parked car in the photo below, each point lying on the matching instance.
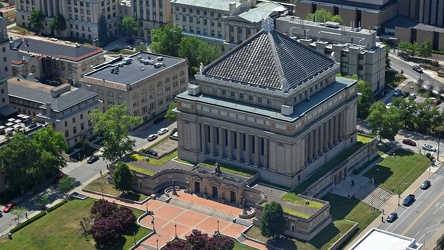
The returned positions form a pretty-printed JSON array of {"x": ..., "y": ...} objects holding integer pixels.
[
  {"x": 128, "y": 47},
  {"x": 58, "y": 178},
  {"x": 152, "y": 137},
  {"x": 392, "y": 217},
  {"x": 417, "y": 68},
  {"x": 425, "y": 185},
  {"x": 8, "y": 207},
  {"x": 151, "y": 152},
  {"x": 175, "y": 136},
  {"x": 397, "y": 92},
  {"x": 159, "y": 119},
  {"x": 413, "y": 95},
  {"x": 162, "y": 131},
  {"x": 428, "y": 147},
  {"x": 93, "y": 159},
  {"x": 409, "y": 142},
  {"x": 408, "y": 200}
]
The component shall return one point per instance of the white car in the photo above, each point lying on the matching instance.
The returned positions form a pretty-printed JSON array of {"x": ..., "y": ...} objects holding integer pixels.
[
  {"x": 152, "y": 137},
  {"x": 162, "y": 131},
  {"x": 428, "y": 147}
]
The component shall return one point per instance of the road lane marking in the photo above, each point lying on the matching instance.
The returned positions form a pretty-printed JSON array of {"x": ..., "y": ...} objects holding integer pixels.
[
  {"x": 441, "y": 206},
  {"x": 423, "y": 212}
]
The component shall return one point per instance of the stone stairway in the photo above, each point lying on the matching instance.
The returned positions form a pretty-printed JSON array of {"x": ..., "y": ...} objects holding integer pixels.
[{"x": 373, "y": 195}]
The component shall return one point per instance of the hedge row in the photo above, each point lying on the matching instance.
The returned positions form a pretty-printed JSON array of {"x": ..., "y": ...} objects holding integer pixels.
[
  {"x": 56, "y": 206},
  {"x": 27, "y": 222}
]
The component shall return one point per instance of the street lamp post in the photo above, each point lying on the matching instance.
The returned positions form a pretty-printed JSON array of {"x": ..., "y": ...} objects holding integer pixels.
[
  {"x": 399, "y": 192},
  {"x": 152, "y": 222},
  {"x": 102, "y": 193},
  {"x": 217, "y": 232},
  {"x": 157, "y": 244},
  {"x": 175, "y": 231}
]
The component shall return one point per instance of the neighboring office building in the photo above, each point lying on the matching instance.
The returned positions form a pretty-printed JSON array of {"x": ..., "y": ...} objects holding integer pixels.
[
  {"x": 384, "y": 240},
  {"x": 224, "y": 23},
  {"x": 65, "y": 108},
  {"x": 151, "y": 14},
  {"x": 82, "y": 17},
  {"x": 53, "y": 59},
  {"x": 271, "y": 105},
  {"x": 406, "y": 20},
  {"x": 147, "y": 82},
  {"x": 356, "y": 50}
]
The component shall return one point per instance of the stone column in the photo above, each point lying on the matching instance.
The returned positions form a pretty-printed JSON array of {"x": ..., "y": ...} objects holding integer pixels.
[
  {"x": 248, "y": 149},
  {"x": 322, "y": 138},
  {"x": 221, "y": 142},
  {"x": 336, "y": 127},
  {"x": 266, "y": 153},
  {"x": 212, "y": 140},
  {"x": 316, "y": 144},
  {"x": 204, "y": 138},
  {"x": 307, "y": 147},
  {"x": 239, "y": 146},
  {"x": 230, "y": 145},
  {"x": 312, "y": 144},
  {"x": 330, "y": 131},
  {"x": 257, "y": 153}
]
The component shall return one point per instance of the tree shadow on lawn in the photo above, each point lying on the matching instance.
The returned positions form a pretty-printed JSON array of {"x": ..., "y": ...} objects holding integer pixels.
[
  {"x": 130, "y": 195},
  {"x": 380, "y": 173},
  {"x": 340, "y": 206},
  {"x": 324, "y": 236},
  {"x": 283, "y": 243},
  {"x": 130, "y": 236}
]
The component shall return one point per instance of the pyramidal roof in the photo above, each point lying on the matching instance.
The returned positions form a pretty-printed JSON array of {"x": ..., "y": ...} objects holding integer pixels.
[{"x": 271, "y": 60}]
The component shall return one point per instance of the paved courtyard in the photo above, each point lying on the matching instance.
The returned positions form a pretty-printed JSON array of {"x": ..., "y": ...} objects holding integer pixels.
[{"x": 170, "y": 219}]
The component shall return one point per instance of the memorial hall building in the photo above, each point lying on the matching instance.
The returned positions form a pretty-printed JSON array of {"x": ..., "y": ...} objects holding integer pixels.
[{"x": 272, "y": 105}]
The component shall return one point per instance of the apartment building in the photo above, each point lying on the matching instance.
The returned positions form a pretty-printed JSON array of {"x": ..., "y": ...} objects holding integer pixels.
[
  {"x": 356, "y": 50},
  {"x": 151, "y": 14},
  {"x": 224, "y": 23},
  {"x": 82, "y": 16},
  {"x": 64, "y": 107},
  {"x": 147, "y": 82},
  {"x": 53, "y": 59}
]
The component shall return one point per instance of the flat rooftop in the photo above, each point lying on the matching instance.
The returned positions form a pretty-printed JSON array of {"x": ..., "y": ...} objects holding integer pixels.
[
  {"x": 383, "y": 240},
  {"x": 300, "y": 109},
  {"x": 42, "y": 47},
  {"x": 135, "y": 71},
  {"x": 41, "y": 93}
]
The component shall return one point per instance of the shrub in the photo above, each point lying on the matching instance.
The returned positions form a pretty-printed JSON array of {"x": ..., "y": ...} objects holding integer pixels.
[
  {"x": 106, "y": 231},
  {"x": 27, "y": 222},
  {"x": 56, "y": 206},
  {"x": 428, "y": 155},
  {"x": 126, "y": 218}
]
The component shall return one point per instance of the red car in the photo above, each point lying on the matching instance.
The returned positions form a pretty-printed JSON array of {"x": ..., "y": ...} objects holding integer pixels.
[
  {"x": 8, "y": 207},
  {"x": 409, "y": 142},
  {"x": 58, "y": 178}
]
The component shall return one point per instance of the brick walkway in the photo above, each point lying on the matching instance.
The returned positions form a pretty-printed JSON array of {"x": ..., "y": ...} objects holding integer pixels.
[{"x": 169, "y": 219}]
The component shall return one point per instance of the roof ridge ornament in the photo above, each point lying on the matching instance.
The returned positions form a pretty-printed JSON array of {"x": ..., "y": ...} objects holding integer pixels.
[
  {"x": 268, "y": 24},
  {"x": 285, "y": 85}
]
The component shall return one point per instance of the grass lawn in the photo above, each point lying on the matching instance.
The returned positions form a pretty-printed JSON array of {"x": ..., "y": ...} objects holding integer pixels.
[
  {"x": 393, "y": 78},
  {"x": 102, "y": 184},
  {"x": 301, "y": 201},
  {"x": 53, "y": 232},
  {"x": 154, "y": 161},
  {"x": 364, "y": 139},
  {"x": 399, "y": 172},
  {"x": 240, "y": 246},
  {"x": 20, "y": 30},
  {"x": 322, "y": 171}
]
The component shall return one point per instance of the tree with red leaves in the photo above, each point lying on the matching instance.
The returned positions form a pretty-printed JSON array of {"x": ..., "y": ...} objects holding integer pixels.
[
  {"x": 103, "y": 208},
  {"x": 177, "y": 245},
  {"x": 126, "y": 218},
  {"x": 106, "y": 231},
  {"x": 220, "y": 242},
  {"x": 199, "y": 241}
]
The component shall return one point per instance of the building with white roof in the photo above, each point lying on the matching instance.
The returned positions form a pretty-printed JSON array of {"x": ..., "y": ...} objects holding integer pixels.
[{"x": 383, "y": 240}]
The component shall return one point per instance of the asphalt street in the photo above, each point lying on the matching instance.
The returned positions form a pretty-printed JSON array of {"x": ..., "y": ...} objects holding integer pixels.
[{"x": 421, "y": 219}]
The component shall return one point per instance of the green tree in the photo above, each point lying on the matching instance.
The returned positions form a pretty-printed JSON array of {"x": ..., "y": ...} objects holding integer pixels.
[
  {"x": 42, "y": 201},
  {"x": 36, "y": 20},
  {"x": 18, "y": 162},
  {"x": 113, "y": 125},
  {"x": 141, "y": 47},
  {"x": 18, "y": 212},
  {"x": 66, "y": 184},
  {"x": 170, "y": 114},
  {"x": 122, "y": 177},
  {"x": 272, "y": 220},
  {"x": 102, "y": 29},
  {"x": 323, "y": 16},
  {"x": 166, "y": 40},
  {"x": 411, "y": 48},
  {"x": 365, "y": 100},
  {"x": 425, "y": 49},
  {"x": 197, "y": 51},
  {"x": 58, "y": 24},
  {"x": 384, "y": 122},
  {"x": 51, "y": 145},
  {"x": 129, "y": 26}
]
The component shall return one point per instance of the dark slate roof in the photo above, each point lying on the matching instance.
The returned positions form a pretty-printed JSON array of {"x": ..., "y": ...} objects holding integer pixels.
[
  {"x": 32, "y": 91},
  {"x": 51, "y": 48},
  {"x": 266, "y": 59}
]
